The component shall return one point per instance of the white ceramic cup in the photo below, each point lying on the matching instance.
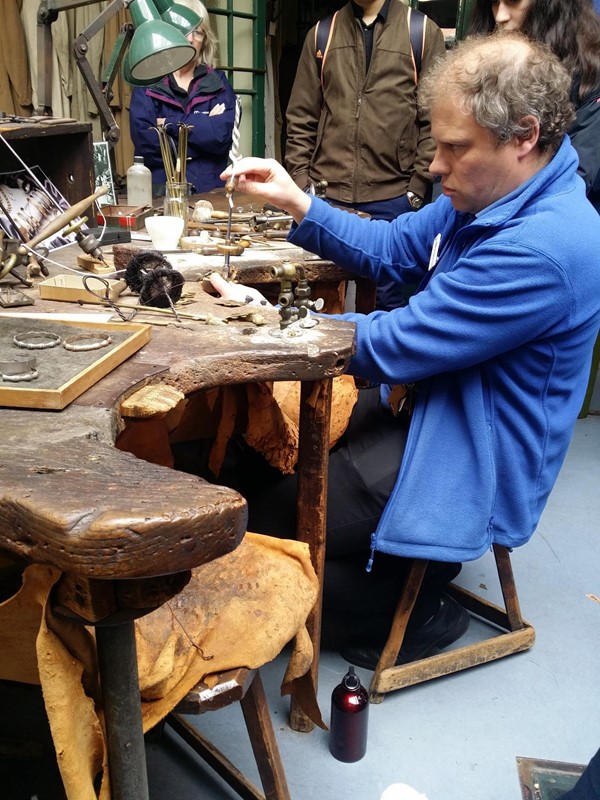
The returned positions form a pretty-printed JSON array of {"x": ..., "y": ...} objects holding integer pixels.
[{"x": 165, "y": 232}]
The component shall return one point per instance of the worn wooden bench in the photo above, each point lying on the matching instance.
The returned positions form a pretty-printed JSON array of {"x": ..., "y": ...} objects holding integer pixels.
[{"x": 126, "y": 534}]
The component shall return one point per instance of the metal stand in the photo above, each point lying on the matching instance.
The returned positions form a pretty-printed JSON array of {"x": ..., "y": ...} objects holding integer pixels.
[{"x": 117, "y": 662}]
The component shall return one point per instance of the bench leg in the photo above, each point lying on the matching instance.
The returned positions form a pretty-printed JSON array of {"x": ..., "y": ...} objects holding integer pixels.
[
  {"x": 262, "y": 737},
  {"x": 117, "y": 662}
]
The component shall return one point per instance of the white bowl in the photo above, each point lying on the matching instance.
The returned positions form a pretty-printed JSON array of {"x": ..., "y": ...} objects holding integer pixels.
[{"x": 165, "y": 232}]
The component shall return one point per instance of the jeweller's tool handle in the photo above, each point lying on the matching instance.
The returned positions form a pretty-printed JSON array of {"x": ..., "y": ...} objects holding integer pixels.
[
  {"x": 231, "y": 185},
  {"x": 67, "y": 216},
  {"x": 232, "y": 181}
]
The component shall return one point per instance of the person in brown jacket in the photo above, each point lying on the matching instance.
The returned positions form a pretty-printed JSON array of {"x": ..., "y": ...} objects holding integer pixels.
[{"x": 358, "y": 126}]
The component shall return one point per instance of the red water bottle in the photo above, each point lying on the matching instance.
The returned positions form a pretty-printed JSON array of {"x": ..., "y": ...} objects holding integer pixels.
[{"x": 349, "y": 719}]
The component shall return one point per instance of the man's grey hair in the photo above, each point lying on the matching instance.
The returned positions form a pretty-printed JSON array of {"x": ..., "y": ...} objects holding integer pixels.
[{"x": 502, "y": 79}]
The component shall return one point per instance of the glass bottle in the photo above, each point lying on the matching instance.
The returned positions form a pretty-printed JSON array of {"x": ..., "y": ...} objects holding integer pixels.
[
  {"x": 349, "y": 719},
  {"x": 139, "y": 183}
]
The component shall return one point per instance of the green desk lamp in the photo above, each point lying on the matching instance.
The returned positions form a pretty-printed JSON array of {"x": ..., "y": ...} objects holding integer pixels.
[
  {"x": 156, "y": 48},
  {"x": 176, "y": 14}
]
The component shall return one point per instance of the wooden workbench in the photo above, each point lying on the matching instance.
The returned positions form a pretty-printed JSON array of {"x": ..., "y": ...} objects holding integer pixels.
[{"x": 126, "y": 532}]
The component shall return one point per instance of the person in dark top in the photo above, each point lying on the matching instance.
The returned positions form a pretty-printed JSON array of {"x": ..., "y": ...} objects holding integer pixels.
[{"x": 198, "y": 95}]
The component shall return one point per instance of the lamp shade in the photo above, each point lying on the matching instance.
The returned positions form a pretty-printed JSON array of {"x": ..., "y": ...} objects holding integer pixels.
[
  {"x": 126, "y": 69},
  {"x": 182, "y": 17},
  {"x": 156, "y": 48}
]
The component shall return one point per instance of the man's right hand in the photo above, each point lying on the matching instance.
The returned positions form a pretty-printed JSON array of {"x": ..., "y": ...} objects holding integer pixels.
[{"x": 268, "y": 179}]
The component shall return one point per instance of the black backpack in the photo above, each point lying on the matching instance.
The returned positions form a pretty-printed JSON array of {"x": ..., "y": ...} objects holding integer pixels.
[{"x": 324, "y": 34}]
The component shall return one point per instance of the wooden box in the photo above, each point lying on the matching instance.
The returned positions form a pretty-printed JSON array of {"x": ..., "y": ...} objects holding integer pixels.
[
  {"x": 63, "y": 150},
  {"x": 64, "y": 374},
  {"x": 71, "y": 288}
]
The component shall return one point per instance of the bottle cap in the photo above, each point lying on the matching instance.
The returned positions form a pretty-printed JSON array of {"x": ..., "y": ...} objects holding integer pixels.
[
  {"x": 350, "y": 680},
  {"x": 138, "y": 159}
]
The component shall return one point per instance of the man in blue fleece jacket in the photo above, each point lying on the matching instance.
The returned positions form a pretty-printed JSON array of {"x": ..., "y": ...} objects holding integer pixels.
[{"x": 497, "y": 340}]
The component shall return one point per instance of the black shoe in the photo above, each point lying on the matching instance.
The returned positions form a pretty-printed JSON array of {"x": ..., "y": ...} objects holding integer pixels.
[{"x": 448, "y": 624}]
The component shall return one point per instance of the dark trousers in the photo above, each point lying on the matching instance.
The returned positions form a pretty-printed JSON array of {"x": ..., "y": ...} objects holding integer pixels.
[
  {"x": 362, "y": 472},
  {"x": 588, "y": 785}
]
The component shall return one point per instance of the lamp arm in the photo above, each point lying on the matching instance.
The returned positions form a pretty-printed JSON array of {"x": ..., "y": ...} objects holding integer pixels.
[{"x": 47, "y": 14}]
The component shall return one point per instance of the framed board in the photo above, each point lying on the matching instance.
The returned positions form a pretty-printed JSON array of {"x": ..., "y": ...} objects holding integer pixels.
[
  {"x": 546, "y": 780},
  {"x": 103, "y": 173},
  {"x": 62, "y": 373}
]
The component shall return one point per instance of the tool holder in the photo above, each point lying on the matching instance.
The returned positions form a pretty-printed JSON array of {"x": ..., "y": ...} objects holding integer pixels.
[{"x": 294, "y": 304}]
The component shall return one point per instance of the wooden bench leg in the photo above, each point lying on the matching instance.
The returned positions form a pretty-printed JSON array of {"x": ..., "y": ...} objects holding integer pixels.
[
  {"x": 264, "y": 745},
  {"x": 311, "y": 518}
]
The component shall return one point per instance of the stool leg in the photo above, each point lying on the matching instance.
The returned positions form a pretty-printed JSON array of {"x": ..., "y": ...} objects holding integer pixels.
[
  {"x": 117, "y": 663},
  {"x": 509, "y": 589},
  {"x": 404, "y": 609},
  {"x": 262, "y": 737}
]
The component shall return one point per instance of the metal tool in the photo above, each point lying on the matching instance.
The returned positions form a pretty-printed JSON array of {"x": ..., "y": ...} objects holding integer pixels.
[
  {"x": 294, "y": 304},
  {"x": 231, "y": 185}
]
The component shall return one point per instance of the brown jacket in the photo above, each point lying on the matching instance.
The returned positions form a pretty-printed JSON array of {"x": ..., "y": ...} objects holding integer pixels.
[{"x": 363, "y": 134}]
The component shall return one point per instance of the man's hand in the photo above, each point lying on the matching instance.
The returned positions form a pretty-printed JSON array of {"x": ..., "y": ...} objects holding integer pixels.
[
  {"x": 237, "y": 291},
  {"x": 268, "y": 179}
]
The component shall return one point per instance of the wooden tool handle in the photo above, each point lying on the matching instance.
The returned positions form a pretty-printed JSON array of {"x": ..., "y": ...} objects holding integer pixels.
[{"x": 58, "y": 223}]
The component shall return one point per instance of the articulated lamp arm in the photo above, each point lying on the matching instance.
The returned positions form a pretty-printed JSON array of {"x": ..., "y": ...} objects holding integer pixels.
[{"x": 101, "y": 92}]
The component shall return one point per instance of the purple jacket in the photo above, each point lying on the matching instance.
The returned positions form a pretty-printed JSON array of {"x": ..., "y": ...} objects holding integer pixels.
[{"x": 209, "y": 139}]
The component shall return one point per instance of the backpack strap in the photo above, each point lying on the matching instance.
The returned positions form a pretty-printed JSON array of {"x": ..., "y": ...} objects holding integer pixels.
[
  {"x": 323, "y": 36},
  {"x": 416, "y": 24}
]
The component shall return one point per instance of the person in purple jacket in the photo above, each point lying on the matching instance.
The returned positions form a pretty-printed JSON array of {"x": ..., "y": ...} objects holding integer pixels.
[
  {"x": 497, "y": 343},
  {"x": 198, "y": 95}
]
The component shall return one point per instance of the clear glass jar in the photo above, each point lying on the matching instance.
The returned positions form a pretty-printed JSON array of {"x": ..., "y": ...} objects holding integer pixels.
[{"x": 176, "y": 202}]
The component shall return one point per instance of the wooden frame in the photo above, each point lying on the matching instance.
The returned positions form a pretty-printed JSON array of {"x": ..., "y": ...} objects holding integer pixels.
[
  {"x": 518, "y": 635},
  {"x": 243, "y": 686}
]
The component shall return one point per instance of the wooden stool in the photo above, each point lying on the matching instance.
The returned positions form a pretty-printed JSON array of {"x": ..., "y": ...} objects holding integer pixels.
[
  {"x": 518, "y": 634},
  {"x": 245, "y": 686}
]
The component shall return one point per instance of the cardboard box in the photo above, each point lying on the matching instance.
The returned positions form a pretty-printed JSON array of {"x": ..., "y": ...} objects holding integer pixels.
[{"x": 130, "y": 217}]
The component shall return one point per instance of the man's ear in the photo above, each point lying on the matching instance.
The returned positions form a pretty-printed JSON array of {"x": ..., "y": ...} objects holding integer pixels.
[{"x": 528, "y": 140}]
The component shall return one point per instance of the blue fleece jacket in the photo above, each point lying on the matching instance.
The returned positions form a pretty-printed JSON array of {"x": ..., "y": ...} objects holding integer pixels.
[
  {"x": 209, "y": 138},
  {"x": 498, "y": 339}
]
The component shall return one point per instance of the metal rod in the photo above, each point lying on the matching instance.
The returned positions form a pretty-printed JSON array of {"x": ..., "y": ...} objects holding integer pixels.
[
  {"x": 117, "y": 663},
  {"x": 230, "y": 186}
]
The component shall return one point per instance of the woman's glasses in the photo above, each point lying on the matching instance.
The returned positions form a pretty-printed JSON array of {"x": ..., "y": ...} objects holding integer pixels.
[{"x": 197, "y": 33}]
